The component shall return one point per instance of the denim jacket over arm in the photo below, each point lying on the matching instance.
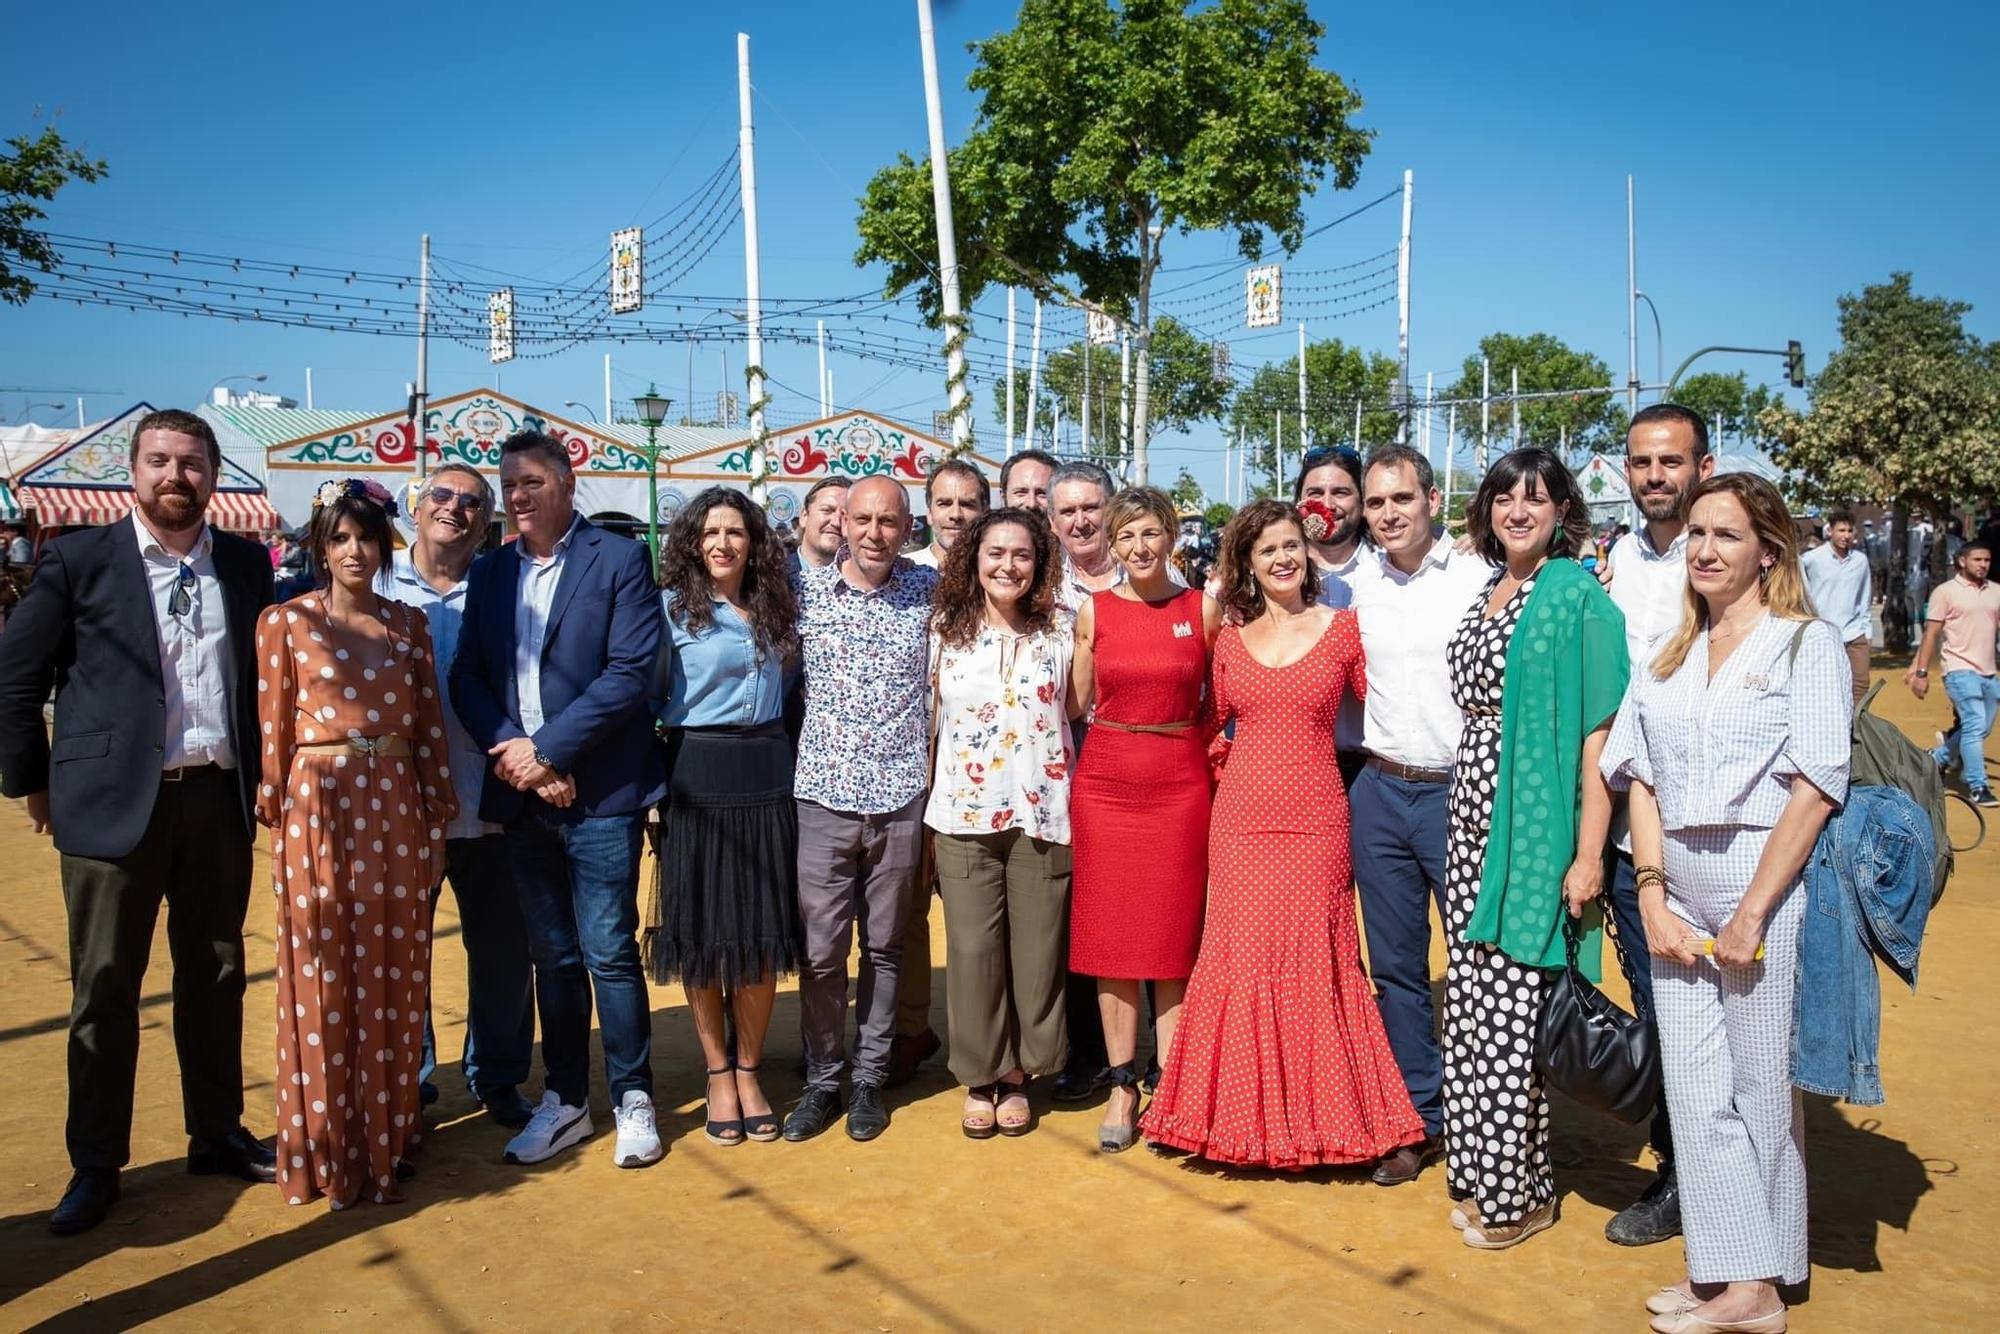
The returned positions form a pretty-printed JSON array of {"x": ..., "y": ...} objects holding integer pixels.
[{"x": 1868, "y": 894}]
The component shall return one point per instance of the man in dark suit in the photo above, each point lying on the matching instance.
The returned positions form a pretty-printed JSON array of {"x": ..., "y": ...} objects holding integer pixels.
[
  {"x": 146, "y": 630},
  {"x": 553, "y": 673}
]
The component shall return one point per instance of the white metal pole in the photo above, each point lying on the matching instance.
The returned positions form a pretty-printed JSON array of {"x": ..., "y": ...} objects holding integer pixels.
[
  {"x": 1009, "y": 451},
  {"x": 79, "y": 412},
  {"x": 420, "y": 402},
  {"x": 1485, "y": 409},
  {"x": 1124, "y": 393},
  {"x": 309, "y": 388},
  {"x": 1450, "y": 449},
  {"x": 1083, "y": 417},
  {"x": 1302, "y": 392},
  {"x": 961, "y": 398},
  {"x": 1034, "y": 377},
  {"x": 753, "y": 311},
  {"x": 1403, "y": 315},
  {"x": 607, "y": 392},
  {"x": 1357, "y": 426},
  {"x": 1055, "y": 426},
  {"x": 1278, "y": 450},
  {"x": 1631, "y": 302},
  {"x": 1514, "y": 409},
  {"x": 824, "y": 409}
]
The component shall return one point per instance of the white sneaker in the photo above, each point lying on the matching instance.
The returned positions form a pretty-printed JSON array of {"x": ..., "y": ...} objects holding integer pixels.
[
  {"x": 638, "y": 1138},
  {"x": 555, "y": 1126}
]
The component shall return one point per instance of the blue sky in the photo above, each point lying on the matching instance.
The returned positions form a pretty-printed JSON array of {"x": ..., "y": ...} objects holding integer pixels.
[{"x": 1784, "y": 154}]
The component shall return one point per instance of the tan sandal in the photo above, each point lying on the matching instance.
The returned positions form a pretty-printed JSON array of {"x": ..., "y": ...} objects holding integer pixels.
[
  {"x": 979, "y": 1119},
  {"x": 1011, "y": 1110}
]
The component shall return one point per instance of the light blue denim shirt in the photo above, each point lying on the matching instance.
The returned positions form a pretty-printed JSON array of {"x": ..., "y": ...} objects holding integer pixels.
[
  {"x": 719, "y": 677},
  {"x": 445, "y": 611}
]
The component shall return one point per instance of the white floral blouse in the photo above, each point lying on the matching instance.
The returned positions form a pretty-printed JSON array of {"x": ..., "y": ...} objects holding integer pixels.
[{"x": 1003, "y": 746}]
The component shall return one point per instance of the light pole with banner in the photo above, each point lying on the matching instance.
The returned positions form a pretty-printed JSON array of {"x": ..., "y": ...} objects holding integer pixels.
[{"x": 652, "y": 408}]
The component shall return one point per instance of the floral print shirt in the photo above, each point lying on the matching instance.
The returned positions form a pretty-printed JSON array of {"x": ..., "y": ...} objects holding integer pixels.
[{"x": 1003, "y": 749}]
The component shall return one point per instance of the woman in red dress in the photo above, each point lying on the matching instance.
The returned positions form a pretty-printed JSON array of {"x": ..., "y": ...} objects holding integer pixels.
[
  {"x": 1280, "y": 1059},
  {"x": 1139, "y": 801}
]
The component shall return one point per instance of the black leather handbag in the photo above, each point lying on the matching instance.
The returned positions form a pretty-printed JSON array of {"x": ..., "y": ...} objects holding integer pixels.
[{"x": 1592, "y": 1050}]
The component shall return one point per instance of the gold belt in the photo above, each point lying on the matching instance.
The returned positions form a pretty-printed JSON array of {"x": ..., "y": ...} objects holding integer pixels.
[{"x": 360, "y": 745}]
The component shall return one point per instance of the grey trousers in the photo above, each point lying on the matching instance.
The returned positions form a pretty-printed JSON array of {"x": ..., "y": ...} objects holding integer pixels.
[
  {"x": 1006, "y": 918},
  {"x": 855, "y": 874}
]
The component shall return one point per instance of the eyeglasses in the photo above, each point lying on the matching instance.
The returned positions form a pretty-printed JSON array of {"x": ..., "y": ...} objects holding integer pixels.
[
  {"x": 444, "y": 497},
  {"x": 181, "y": 600}
]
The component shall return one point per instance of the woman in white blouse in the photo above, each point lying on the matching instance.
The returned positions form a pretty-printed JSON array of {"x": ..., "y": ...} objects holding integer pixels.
[
  {"x": 999, "y": 805},
  {"x": 1733, "y": 739}
]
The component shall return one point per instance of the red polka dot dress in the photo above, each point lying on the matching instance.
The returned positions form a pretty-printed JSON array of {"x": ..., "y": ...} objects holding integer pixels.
[
  {"x": 1280, "y": 1059},
  {"x": 357, "y": 846}
]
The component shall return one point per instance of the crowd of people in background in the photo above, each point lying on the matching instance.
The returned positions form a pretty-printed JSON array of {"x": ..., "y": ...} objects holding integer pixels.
[{"x": 1147, "y": 804}]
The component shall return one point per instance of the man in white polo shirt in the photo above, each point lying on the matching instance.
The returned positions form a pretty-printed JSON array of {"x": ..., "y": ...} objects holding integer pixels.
[
  {"x": 1409, "y": 603},
  {"x": 1666, "y": 454}
]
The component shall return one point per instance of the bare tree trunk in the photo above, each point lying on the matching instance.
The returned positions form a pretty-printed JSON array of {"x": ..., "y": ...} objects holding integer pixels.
[{"x": 1898, "y": 617}]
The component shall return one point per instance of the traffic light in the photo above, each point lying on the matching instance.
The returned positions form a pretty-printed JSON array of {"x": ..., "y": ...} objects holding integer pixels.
[{"x": 1795, "y": 364}]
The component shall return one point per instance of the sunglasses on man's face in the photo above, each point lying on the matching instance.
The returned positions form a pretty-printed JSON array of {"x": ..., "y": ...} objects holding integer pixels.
[
  {"x": 446, "y": 498},
  {"x": 181, "y": 600}
]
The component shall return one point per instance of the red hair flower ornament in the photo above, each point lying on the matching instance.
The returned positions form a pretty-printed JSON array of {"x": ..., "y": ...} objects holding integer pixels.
[{"x": 1316, "y": 520}]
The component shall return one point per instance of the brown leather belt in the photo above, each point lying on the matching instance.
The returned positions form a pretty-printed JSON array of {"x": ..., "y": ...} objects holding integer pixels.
[
  {"x": 1409, "y": 773},
  {"x": 1168, "y": 729},
  {"x": 185, "y": 771},
  {"x": 360, "y": 745}
]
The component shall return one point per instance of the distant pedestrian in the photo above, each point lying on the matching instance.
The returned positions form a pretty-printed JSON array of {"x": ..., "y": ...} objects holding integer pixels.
[
  {"x": 1960, "y": 627},
  {"x": 1837, "y": 580}
]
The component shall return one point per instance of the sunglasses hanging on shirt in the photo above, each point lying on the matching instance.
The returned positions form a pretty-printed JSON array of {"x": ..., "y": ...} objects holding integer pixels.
[{"x": 182, "y": 599}]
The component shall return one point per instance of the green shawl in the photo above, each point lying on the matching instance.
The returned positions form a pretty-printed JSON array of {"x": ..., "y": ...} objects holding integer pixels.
[{"x": 1566, "y": 672}]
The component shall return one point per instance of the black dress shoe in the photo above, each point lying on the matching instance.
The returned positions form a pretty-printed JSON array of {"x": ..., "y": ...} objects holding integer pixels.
[
  {"x": 92, "y": 1192},
  {"x": 428, "y": 1092},
  {"x": 1077, "y": 1084},
  {"x": 1653, "y": 1217},
  {"x": 866, "y": 1116},
  {"x": 1407, "y": 1163},
  {"x": 507, "y": 1107},
  {"x": 238, "y": 1153},
  {"x": 907, "y": 1053},
  {"x": 815, "y": 1112}
]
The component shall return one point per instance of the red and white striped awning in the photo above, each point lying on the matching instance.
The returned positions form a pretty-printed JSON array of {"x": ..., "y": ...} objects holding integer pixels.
[{"x": 74, "y": 506}]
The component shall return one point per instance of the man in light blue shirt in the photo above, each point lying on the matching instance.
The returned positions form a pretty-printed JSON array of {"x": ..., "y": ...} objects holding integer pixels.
[
  {"x": 1837, "y": 577},
  {"x": 451, "y": 512}
]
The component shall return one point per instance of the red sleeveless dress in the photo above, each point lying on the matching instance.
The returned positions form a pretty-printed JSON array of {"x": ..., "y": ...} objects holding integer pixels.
[{"x": 1139, "y": 802}]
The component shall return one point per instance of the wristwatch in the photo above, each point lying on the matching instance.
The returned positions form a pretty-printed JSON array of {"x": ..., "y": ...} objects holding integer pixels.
[
  {"x": 1922, "y": 672},
  {"x": 542, "y": 759}
]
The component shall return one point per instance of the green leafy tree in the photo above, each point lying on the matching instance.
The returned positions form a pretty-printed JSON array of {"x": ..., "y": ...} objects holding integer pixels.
[
  {"x": 1578, "y": 424},
  {"x": 1187, "y": 493},
  {"x": 1729, "y": 403},
  {"x": 1337, "y": 377},
  {"x": 1218, "y": 514},
  {"x": 1102, "y": 129},
  {"x": 1185, "y": 390},
  {"x": 1905, "y": 412},
  {"x": 32, "y": 170}
]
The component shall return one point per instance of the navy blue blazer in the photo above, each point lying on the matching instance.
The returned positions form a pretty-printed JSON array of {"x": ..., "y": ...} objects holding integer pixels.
[{"x": 598, "y": 659}]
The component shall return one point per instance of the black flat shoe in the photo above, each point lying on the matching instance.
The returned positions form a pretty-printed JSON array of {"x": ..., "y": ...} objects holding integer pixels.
[
  {"x": 866, "y": 1116},
  {"x": 507, "y": 1107},
  {"x": 817, "y": 1109},
  {"x": 723, "y": 1134},
  {"x": 238, "y": 1153},
  {"x": 91, "y": 1193},
  {"x": 1080, "y": 1085},
  {"x": 762, "y": 1127}
]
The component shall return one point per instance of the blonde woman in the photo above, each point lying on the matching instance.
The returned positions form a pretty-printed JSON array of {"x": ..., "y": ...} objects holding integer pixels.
[{"x": 1733, "y": 739}]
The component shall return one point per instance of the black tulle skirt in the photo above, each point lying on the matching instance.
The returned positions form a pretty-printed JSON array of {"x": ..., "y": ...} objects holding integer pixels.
[{"x": 726, "y": 883}]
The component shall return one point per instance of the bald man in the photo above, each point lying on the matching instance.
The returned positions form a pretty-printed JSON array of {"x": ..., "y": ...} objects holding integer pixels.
[{"x": 864, "y": 623}]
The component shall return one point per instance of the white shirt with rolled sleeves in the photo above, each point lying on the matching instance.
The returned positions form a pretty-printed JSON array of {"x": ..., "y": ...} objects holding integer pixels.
[
  {"x": 194, "y": 651},
  {"x": 1724, "y": 752},
  {"x": 1406, "y": 621},
  {"x": 446, "y": 612},
  {"x": 1840, "y": 589}
]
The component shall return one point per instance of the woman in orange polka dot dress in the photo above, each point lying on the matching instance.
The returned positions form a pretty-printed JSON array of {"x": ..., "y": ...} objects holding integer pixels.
[
  {"x": 356, "y": 793},
  {"x": 1280, "y": 1059}
]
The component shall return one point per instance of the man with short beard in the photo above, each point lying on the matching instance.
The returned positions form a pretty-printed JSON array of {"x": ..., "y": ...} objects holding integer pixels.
[
  {"x": 146, "y": 630},
  {"x": 1332, "y": 477},
  {"x": 1666, "y": 453},
  {"x": 452, "y": 510},
  {"x": 1025, "y": 479},
  {"x": 819, "y": 524},
  {"x": 954, "y": 495}
]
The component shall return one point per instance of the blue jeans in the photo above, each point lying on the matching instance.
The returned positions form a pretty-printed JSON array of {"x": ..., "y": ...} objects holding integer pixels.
[
  {"x": 1398, "y": 841},
  {"x": 499, "y": 980},
  {"x": 1977, "y": 699},
  {"x": 579, "y": 891},
  {"x": 1623, "y": 892}
]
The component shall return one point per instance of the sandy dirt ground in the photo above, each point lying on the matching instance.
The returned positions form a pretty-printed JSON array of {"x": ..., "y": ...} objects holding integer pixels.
[{"x": 923, "y": 1228}]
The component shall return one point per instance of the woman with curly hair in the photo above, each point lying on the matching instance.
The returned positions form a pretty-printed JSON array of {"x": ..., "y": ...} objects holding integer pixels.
[
  {"x": 1280, "y": 1058},
  {"x": 724, "y": 915},
  {"x": 999, "y": 806}
]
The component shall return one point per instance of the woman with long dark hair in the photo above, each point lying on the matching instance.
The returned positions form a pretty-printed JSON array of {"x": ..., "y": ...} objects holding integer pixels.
[
  {"x": 1280, "y": 1058},
  {"x": 357, "y": 793},
  {"x": 724, "y": 917},
  {"x": 1734, "y": 741},
  {"x": 999, "y": 806},
  {"x": 1537, "y": 668}
]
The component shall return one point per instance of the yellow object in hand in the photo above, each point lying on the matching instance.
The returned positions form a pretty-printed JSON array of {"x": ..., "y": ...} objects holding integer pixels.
[{"x": 1706, "y": 945}]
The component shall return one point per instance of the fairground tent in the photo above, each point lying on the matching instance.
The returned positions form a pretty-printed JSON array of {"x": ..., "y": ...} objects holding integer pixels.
[{"x": 89, "y": 482}]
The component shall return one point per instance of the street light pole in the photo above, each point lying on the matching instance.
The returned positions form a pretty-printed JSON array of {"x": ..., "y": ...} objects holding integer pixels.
[
  {"x": 652, "y": 410},
  {"x": 1659, "y": 341},
  {"x": 572, "y": 403}
]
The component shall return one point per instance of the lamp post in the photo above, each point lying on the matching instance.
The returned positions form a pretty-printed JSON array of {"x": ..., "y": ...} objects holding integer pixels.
[
  {"x": 692, "y": 336},
  {"x": 1659, "y": 343},
  {"x": 254, "y": 379},
  {"x": 652, "y": 408},
  {"x": 28, "y": 413},
  {"x": 572, "y": 403}
]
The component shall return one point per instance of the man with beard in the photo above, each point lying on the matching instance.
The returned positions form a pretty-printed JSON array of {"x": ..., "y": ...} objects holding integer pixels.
[
  {"x": 1025, "y": 479},
  {"x": 452, "y": 510},
  {"x": 819, "y": 524},
  {"x": 1332, "y": 477},
  {"x": 954, "y": 495},
  {"x": 147, "y": 802},
  {"x": 1666, "y": 453}
]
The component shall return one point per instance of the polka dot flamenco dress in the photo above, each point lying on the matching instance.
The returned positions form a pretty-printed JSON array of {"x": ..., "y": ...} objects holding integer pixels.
[
  {"x": 1280, "y": 1059},
  {"x": 357, "y": 847},
  {"x": 1496, "y": 1113}
]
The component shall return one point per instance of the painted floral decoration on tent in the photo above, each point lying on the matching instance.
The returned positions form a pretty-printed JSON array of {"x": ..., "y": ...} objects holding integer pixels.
[
  {"x": 359, "y": 489},
  {"x": 1316, "y": 519}
]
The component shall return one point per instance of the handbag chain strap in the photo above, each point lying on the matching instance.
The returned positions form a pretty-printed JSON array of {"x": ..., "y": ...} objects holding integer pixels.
[{"x": 1572, "y": 938}]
